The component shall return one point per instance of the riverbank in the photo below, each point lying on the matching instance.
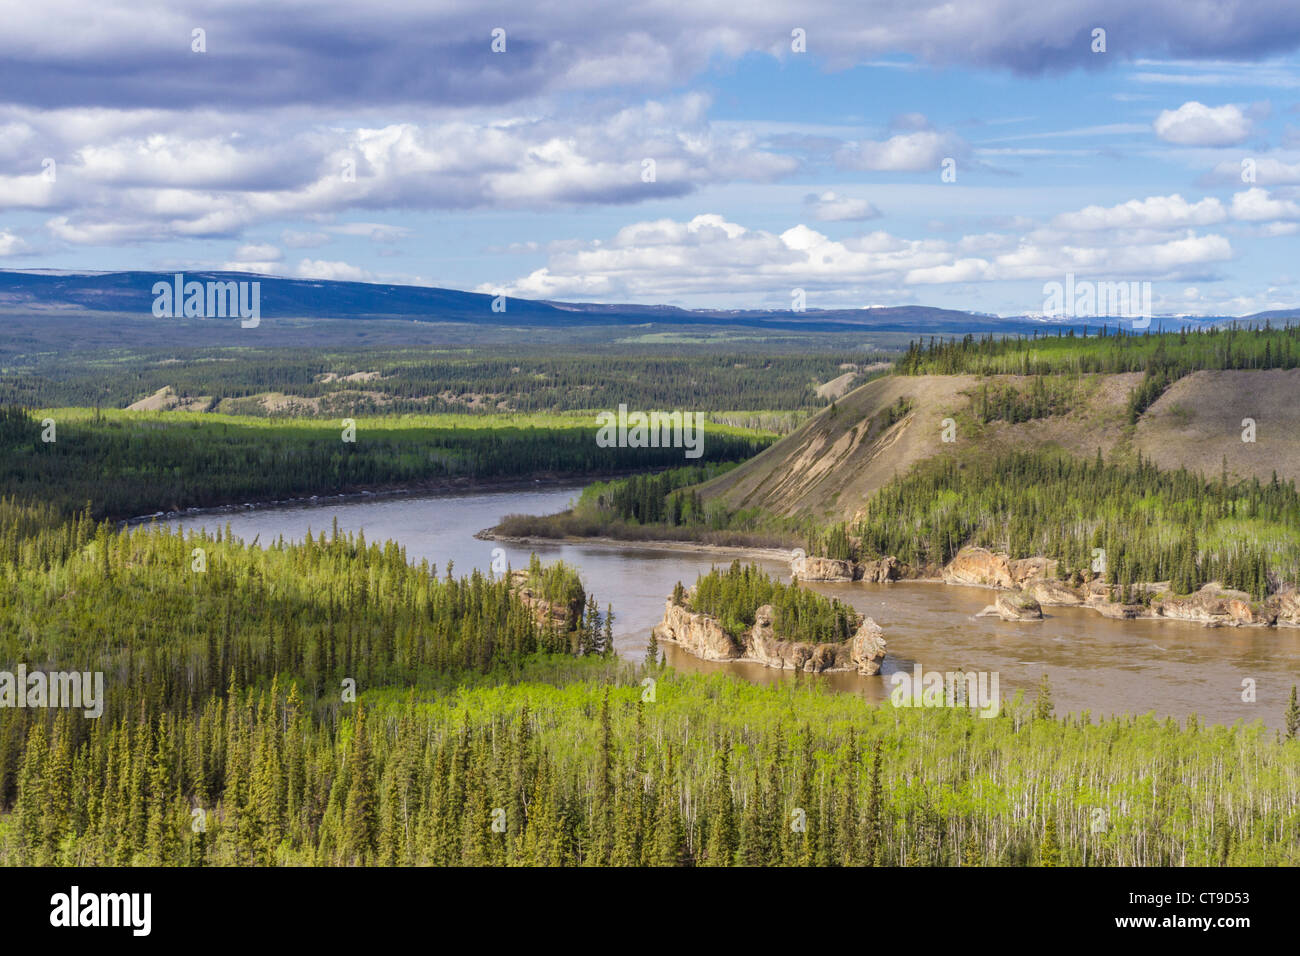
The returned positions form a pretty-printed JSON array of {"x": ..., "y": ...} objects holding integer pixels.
[
  {"x": 650, "y": 544},
  {"x": 440, "y": 487},
  {"x": 1026, "y": 585}
]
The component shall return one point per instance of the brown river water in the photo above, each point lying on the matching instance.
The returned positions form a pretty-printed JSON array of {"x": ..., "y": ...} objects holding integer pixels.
[{"x": 1104, "y": 666}]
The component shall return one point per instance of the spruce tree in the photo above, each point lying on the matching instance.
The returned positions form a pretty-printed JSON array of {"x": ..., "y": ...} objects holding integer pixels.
[
  {"x": 1049, "y": 853},
  {"x": 1043, "y": 706},
  {"x": 361, "y": 818}
]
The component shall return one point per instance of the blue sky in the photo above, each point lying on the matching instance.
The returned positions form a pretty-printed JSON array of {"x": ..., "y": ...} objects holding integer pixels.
[{"x": 391, "y": 143}]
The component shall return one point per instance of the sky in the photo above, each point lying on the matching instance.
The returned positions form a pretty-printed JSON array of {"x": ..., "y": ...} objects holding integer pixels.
[{"x": 703, "y": 154}]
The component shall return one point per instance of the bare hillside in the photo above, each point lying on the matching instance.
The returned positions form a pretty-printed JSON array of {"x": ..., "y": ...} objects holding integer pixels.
[
  {"x": 831, "y": 466},
  {"x": 1198, "y": 422}
]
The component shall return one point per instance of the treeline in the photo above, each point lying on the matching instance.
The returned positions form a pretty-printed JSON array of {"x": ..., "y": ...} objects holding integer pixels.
[
  {"x": 711, "y": 772},
  {"x": 663, "y": 506},
  {"x": 412, "y": 381},
  {"x": 647, "y": 499},
  {"x": 1150, "y": 524},
  {"x": 798, "y": 614},
  {"x": 128, "y": 464},
  {"x": 1110, "y": 350}
]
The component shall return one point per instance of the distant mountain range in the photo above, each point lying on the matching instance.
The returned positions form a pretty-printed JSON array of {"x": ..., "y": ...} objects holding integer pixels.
[{"x": 53, "y": 291}]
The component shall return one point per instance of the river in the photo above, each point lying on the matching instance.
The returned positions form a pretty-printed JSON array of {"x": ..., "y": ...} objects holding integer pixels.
[{"x": 1104, "y": 666}]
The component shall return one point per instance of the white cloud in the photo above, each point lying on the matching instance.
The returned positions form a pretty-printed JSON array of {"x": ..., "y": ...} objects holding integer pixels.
[
  {"x": 831, "y": 207},
  {"x": 963, "y": 270},
  {"x": 711, "y": 256},
  {"x": 322, "y": 269},
  {"x": 10, "y": 244},
  {"x": 262, "y": 251},
  {"x": 100, "y": 233},
  {"x": 1256, "y": 205},
  {"x": 1154, "y": 212},
  {"x": 1195, "y": 124},
  {"x": 906, "y": 152},
  {"x": 143, "y": 186},
  {"x": 266, "y": 267}
]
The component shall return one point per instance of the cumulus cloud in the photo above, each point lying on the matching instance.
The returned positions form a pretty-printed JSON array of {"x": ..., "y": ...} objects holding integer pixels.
[
  {"x": 1154, "y": 212},
  {"x": 831, "y": 207},
  {"x": 711, "y": 255},
  {"x": 11, "y": 245},
  {"x": 1256, "y": 205},
  {"x": 323, "y": 269},
  {"x": 255, "y": 257},
  {"x": 1195, "y": 124},
  {"x": 144, "y": 186},
  {"x": 905, "y": 152}
]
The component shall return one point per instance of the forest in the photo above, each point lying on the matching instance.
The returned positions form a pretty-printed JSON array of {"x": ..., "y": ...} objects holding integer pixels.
[
  {"x": 1153, "y": 524},
  {"x": 370, "y": 381},
  {"x": 798, "y": 614},
  {"x": 665, "y": 506},
  {"x": 478, "y": 737},
  {"x": 130, "y": 463},
  {"x": 1107, "y": 350}
]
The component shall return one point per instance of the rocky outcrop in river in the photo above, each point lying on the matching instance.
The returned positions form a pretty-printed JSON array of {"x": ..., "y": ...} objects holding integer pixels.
[
  {"x": 1032, "y": 584},
  {"x": 1216, "y": 606},
  {"x": 700, "y": 634},
  {"x": 1014, "y": 606},
  {"x": 823, "y": 569},
  {"x": 834, "y": 570},
  {"x": 704, "y": 637}
]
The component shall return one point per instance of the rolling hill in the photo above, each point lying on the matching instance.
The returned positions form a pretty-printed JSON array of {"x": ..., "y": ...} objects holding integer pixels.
[{"x": 52, "y": 294}]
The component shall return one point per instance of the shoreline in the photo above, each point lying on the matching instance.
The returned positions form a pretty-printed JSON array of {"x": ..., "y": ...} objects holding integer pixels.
[
  {"x": 652, "y": 544},
  {"x": 439, "y": 488}
]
